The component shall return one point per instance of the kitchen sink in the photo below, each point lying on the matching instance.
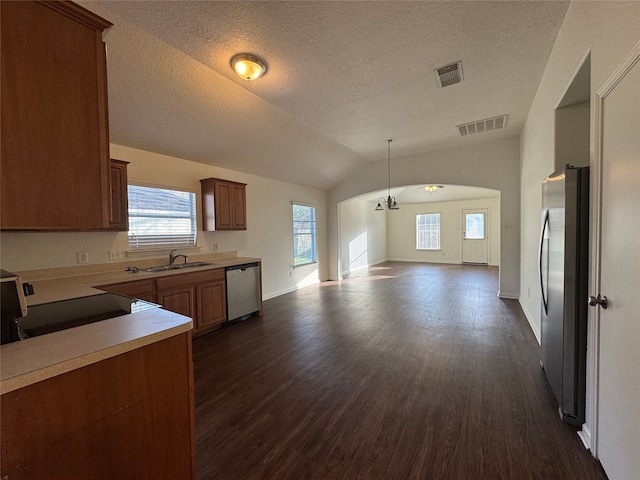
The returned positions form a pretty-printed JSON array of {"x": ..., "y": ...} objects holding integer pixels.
[{"x": 178, "y": 266}]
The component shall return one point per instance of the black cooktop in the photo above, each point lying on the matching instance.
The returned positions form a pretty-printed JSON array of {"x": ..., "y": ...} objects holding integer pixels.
[{"x": 55, "y": 316}]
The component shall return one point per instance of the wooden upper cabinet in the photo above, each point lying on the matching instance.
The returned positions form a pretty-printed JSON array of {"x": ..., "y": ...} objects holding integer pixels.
[
  {"x": 224, "y": 205},
  {"x": 55, "y": 144},
  {"x": 119, "y": 213}
]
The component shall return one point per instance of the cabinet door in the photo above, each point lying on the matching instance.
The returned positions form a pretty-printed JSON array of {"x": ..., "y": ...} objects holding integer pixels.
[
  {"x": 179, "y": 301},
  {"x": 125, "y": 417},
  {"x": 224, "y": 205},
  {"x": 239, "y": 207},
  {"x": 54, "y": 141},
  {"x": 207, "y": 190},
  {"x": 119, "y": 218},
  {"x": 212, "y": 309}
]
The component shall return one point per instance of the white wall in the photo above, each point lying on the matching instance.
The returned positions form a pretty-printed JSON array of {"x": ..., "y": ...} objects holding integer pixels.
[
  {"x": 608, "y": 30},
  {"x": 402, "y": 231},
  {"x": 572, "y": 136},
  {"x": 363, "y": 235},
  {"x": 268, "y": 235},
  {"x": 494, "y": 164}
]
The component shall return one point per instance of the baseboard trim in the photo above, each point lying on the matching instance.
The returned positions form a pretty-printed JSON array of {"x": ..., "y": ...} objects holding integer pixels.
[
  {"x": 369, "y": 265},
  {"x": 415, "y": 260},
  {"x": 534, "y": 328},
  {"x": 281, "y": 292},
  {"x": 585, "y": 436}
]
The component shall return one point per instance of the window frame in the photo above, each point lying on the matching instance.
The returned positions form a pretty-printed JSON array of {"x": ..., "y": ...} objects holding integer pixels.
[
  {"x": 168, "y": 244},
  {"x": 313, "y": 233},
  {"x": 439, "y": 231}
]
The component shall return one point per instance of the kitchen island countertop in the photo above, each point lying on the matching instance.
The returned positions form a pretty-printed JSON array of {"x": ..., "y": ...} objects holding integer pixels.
[{"x": 40, "y": 358}]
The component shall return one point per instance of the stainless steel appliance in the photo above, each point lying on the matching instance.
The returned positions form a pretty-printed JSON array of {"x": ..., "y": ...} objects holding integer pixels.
[
  {"x": 243, "y": 291},
  {"x": 564, "y": 244}
]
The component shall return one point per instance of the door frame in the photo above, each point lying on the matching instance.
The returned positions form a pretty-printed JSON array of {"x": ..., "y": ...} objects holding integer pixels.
[
  {"x": 487, "y": 229},
  {"x": 589, "y": 433}
]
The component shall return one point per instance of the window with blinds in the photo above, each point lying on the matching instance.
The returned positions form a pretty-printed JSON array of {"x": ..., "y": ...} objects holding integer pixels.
[
  {"x": 304, "y": 235},
  {"x": 160, "y": 218},
  {"x": 428, "y": 231}
]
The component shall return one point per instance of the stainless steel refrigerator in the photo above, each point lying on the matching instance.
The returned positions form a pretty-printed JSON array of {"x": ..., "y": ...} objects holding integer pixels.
[{"x": 564, "y": 244}]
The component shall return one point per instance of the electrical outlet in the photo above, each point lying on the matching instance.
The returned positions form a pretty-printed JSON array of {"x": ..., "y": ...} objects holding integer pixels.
[
  {"x": 83, "y": 258},
  {"x": 115, "y": 256},
  {"x": 529, "y": 292}
]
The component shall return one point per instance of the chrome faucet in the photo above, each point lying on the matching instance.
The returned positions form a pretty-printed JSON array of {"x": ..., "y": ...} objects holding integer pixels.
[{"x": 172, "y": 257}]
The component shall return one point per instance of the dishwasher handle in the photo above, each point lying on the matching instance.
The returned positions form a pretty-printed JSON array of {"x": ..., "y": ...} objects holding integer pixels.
[{"x": 243, "y": 267}]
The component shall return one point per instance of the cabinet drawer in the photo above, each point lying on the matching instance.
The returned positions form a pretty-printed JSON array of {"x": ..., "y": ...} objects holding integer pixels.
[
  {"x": 130, "y": 289},
  {"x": 184, "y": 279}
]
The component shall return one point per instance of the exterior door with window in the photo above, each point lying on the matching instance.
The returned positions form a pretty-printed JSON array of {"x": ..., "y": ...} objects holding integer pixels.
[{"x": 475, "y": 236}]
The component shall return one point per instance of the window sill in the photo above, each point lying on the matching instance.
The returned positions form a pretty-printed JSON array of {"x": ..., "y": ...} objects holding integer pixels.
[{"x": 303, "y": 265}]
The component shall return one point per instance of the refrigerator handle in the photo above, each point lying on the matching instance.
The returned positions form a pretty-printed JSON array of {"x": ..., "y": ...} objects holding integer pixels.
[{"x": 545, "y": 225}]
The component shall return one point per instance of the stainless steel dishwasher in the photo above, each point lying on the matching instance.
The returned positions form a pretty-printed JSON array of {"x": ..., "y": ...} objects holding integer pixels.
[{"x": 243, "y": 291}]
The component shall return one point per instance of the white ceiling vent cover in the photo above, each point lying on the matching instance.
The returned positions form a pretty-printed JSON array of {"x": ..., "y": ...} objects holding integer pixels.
[
  {"x": 449, "y": 75},
  {"x": 479, "y": 126}
]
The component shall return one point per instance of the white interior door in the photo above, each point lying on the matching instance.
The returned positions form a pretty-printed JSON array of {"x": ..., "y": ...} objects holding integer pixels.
[
  {"x": 618, "y": 375},
  {"x": 475, "y": 241}
]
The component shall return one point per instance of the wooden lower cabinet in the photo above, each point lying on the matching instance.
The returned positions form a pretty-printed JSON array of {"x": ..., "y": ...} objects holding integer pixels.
[
  {"x": 200, "y": 295},
  {"x": 126, "y": 417},
  {"x": 212, "y": 305},
  {"x": 204, "y": 293},
  {"x": 178, "y": 301}
]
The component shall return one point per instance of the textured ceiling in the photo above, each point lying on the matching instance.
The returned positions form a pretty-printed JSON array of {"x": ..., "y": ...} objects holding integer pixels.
[{"x": 343, "y": 77}]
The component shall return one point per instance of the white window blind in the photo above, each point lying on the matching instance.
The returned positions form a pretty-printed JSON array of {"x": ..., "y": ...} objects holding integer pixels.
[
  {"x": 428, "y": 231},
  {"x": 160, "y": 218},
  {"x": 304, "y": 234}
]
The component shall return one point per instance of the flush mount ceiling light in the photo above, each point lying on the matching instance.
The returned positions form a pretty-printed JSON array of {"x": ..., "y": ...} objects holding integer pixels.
[
  {"x": 248, "y": 66},
  {"x": 433, "y": 188},
  {"x": 390, "y": 201}
]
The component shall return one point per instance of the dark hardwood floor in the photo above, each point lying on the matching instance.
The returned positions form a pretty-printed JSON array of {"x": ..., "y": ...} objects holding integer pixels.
[{"x": 403, "y": 371}]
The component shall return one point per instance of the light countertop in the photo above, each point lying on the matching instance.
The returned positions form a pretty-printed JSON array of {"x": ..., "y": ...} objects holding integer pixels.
[
  {"x": 53, "y": 289},
  {"x": 39, "y": 358}
]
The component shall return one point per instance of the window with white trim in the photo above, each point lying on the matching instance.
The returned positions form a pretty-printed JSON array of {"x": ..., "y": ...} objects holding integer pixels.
[
  {"x": 304, "y": 234},
  {"x": 160, "y": 218},
  {"x": 428, "y": 231}
]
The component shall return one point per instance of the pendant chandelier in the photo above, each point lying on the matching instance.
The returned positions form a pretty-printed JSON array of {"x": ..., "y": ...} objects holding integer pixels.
[{"x": 390, "y": 201}]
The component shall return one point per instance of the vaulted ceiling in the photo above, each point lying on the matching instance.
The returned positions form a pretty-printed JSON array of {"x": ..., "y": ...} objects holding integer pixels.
[{"x": 343, "y": 77}]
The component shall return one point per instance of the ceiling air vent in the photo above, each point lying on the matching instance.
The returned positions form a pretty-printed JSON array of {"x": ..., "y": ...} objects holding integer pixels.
[
  {"x": 449, "y": 75},
  {"x": 479, "y": 126}
]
